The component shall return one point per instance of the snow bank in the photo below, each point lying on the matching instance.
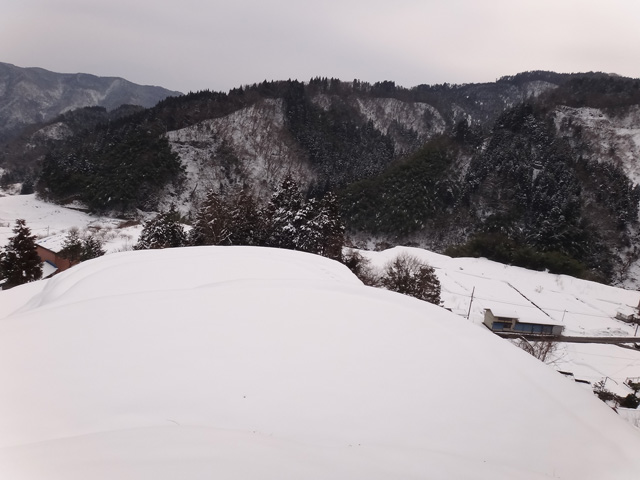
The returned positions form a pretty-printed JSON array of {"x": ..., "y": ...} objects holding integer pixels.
[
  {"x": 240, "y": 362},
  {"x": 584, "y": 308}
]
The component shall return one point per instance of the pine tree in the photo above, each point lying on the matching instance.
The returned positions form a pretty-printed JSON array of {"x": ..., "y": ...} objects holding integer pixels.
[
  {"x": 78, "y": 249},
  {"x": 284, "y": 216},
  {"x": 331, "y": 228},
  {"x": 313, "y": 226},
  {"x": 230, "y": 220},
  {"x": 319, "y": 229},
  {"x": 246, "y": 222},
  {"x": 20, "y": 262},
  {"x": 91, "y": 248},
  {"x": 72, "y": 246},
  {"x": 308, "y": 235},
  {"x": 211, "y": 226},
  {"x": 164, "y": 231}
]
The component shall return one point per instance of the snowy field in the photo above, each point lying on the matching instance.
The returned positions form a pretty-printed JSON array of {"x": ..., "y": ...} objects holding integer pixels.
[
  {"x": 51, "y": 223},
  {"x": 241, "y": 363},
  {"x": 584, "y": 308}
]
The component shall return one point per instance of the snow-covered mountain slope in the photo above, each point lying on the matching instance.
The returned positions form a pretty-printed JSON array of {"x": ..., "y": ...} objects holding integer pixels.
[
  {"x": 393, "y": 117},
  {"x": 615, "y": 138},
  {"x": 253, "y": 146},
  {"x": 608, "y": 136},
  {"x": 384, "y": 112},
  {"x": 241, "y": 362},
  {"x": 249, "y": 146}
]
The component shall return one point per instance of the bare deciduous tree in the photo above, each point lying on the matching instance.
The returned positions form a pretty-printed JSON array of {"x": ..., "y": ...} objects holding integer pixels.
[
  {"x": 408, "y": 275},
  {"x": 543, "y": 349}
]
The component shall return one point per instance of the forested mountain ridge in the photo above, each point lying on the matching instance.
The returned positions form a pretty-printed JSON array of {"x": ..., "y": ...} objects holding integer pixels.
[
  {"x": 537, "y": 169},
  {"x": 326, "y": 133}
]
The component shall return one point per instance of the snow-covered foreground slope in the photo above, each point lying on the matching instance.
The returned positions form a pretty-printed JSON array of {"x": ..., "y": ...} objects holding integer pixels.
[{"x": 239, "y": 362}]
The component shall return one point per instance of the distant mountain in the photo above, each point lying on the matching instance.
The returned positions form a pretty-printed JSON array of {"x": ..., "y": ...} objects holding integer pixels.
[{"x": 35, "y": 95}]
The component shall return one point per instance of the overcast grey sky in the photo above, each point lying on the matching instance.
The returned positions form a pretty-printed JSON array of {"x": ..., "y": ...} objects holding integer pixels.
[{"x": 191, "y": 45}]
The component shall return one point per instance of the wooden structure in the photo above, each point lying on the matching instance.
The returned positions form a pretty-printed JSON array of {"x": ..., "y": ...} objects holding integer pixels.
[
  {"x": 49, "y": 256},
  {"x": 626, "y": 317},
  {"x": 509, "y": 321}
]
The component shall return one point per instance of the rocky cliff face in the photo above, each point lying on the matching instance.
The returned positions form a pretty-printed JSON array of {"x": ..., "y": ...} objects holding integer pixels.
[
  {"x": 35, "y": 95},
  {"x": 249, "y": 148},
  {"x": 605, "y": 135}
]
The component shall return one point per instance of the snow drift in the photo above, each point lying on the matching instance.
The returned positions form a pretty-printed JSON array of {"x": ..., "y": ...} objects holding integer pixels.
[{"x": 241, "y": 362}]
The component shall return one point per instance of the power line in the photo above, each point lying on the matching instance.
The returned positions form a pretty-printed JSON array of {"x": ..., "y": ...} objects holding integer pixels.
[{"x": 475, "y": 297}]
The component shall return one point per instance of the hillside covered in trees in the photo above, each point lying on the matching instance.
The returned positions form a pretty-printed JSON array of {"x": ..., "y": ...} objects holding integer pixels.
[{"x": 537, "y": 169}]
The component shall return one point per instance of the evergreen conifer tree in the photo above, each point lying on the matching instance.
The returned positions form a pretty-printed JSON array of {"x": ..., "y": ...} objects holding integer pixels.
[
  {"x": 91, "y": 248},
  {"x": 319, "y": 229},
  {"x": 211, "y": 226},
  {"x": 72, "y": 246},
  {"x": 20, "y": 262},
  {"x": 308, "y": 235},
  {"x": 331, "y": 227},
  {"x": 164, "y": 231},
  {"x": 313, "y": 226},
  {"x": 78, "y": 249},
  {"x": 246, "y": 223},
  {"x": 284, "y": 216}
]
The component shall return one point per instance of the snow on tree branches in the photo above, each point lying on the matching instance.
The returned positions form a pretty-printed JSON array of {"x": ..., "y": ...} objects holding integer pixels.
[
  {"x": 20, "y": 263},
  {"x": 164, "y": 231},
  {"x": 287, "y": 221}
]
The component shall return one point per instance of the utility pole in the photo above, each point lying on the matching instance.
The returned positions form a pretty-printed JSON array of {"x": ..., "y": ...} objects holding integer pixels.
[{"x": 471, "y": 302}]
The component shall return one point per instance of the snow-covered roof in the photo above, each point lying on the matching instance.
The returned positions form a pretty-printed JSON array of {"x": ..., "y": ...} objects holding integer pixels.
[
  {"x": 502, "y": 312},
  {"x": 626, "y": 310},
  {"x": 53, "y": 243},
  {"x": 48, "y": 269}
]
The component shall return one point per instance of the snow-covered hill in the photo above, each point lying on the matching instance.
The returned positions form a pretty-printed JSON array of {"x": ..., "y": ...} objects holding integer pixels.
[
  {"x": 585, "y": 309},
  {"x": 240, "y": 362}
]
